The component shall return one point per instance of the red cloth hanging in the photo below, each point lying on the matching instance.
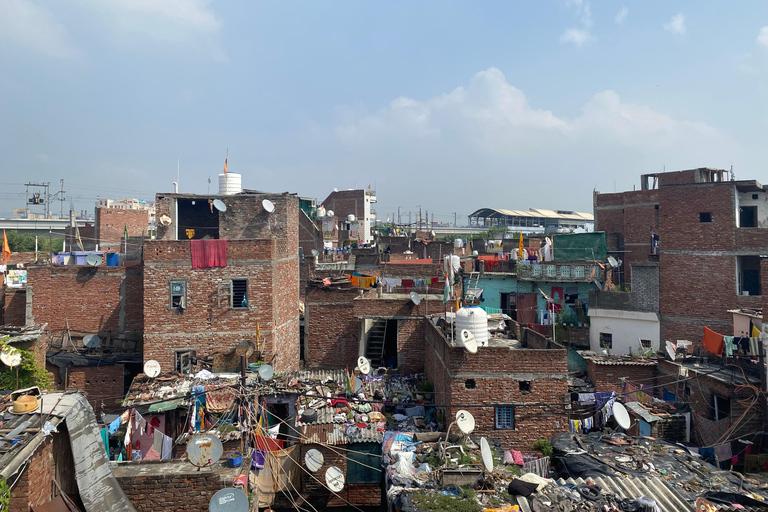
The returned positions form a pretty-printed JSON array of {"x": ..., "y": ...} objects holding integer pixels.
[
  {"x": 713, "y": 342},
  {"x": 208, "y": 253}
]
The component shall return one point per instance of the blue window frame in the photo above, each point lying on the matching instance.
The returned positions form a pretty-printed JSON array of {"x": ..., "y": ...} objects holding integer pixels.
[{"x": 505, "y": 417}]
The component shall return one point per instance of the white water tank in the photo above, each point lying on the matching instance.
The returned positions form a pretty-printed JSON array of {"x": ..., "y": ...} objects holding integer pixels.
[
  {"x": 230, "y": 183},
  {"x": 458, "y": 243},
  {"x": 475, "y": 320}
]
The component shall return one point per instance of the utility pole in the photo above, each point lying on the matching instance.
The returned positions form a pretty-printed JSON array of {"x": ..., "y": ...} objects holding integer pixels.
[
  {"x": 454, "y": 220},
  {"x": 398, "y": 215},
  {"x": 61, "y": 199},
  {"x": 419, "y": 224}
]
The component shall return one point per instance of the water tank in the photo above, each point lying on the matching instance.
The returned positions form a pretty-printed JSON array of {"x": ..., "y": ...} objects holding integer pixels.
[
  {"x": 351, "y": 218},
  {"x": 230, "y": 183},
  {"x": 475, "y": 320},
  {"x": 458, "y": 243}
]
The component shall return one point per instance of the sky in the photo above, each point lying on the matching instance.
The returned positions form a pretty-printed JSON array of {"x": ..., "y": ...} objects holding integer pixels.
[{"x": 448, "y": 106}]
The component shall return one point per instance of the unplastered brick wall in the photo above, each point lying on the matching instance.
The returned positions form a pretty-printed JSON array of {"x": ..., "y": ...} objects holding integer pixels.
[
  {"x": 317, "y": 493},
  {"x": 86, "y": 299},
  {"x": 607, "y": 376},
  {"x": 13, "y": 309},
  {"x": 104, "y": 386},
  {"x": 331, "y": 330},
  {"x": 412, "y": 270},
  {"x": 209, "y": 324},
  {"x": 534, "y": 382},
  {"x": 189, "y": 491},
  {"x": 111, "y": 224},
  {"x": 35, "y": 485}
]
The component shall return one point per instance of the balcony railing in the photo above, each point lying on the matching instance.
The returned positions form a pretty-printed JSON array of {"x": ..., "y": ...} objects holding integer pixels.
[{"x": 579, "y": 272}]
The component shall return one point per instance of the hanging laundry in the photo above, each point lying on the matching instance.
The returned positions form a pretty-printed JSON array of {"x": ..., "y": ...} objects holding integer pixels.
[
  {"x": 407, "y": 284},
  {"x": 728, "y": 345},
  {"x": 713, "y": 342},
  {"x": 115, "y": 425}
]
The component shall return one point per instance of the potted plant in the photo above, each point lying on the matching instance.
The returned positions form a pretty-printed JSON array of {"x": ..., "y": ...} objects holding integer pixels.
[{"x": 425, "y": 389}]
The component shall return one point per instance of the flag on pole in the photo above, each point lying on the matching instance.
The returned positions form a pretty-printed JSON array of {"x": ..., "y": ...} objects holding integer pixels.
[
  {"x": 520, "y": 246},
  {"x": 125, "y": 231},
  {"x": 225, "y": 165},
  {"x": 6, "y": 254}
]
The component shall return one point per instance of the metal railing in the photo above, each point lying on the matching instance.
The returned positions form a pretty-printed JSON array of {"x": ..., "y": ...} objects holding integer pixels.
[{"x": 552, "y": 271}]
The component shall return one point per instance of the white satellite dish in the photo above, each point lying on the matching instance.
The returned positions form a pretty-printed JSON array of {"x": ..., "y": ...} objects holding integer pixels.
[
  {"x": 93, "y": 260},
  {"x": 364, "y": 365},
  {"x": 670, "y": 350},
  {"x": 11, "y": 357},
  {"x": 465, "y": 421},
  {"x": 612, "y": 262},
  {"x": 351, "y": 218},
  {"x": 334, "y": 478},
  {"x": 229, "y": 499},
  {"x": 152, "y": 368},
  {"x": 329, "y": 213},
  {"x": 266, "y": 372},
  {"x": 268, "y": 205},
  {"x": 622, "y": 416},
  {"x": 219, "y": 205},
  {"x": 469, "y": 341},
  {"x": 314, "y": 460},
  {"x": 415, "y": 298},
  {"x": 165, "y": 220},
  {"x": 485, "y": 451},
  {"x": 315, "y": 252},
  {"x": 91, "y": 341}
]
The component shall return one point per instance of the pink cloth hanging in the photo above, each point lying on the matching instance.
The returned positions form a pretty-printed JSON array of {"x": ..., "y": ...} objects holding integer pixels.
[{"x": 208, "y": 253}]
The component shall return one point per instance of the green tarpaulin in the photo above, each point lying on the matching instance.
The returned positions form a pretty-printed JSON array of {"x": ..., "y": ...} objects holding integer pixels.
[
  {"x": 166, "y": 406},
  {"x": 579, "y": 247}
]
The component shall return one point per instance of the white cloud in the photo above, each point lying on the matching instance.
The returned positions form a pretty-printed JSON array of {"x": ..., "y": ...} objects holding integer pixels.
[
  {"x": 676, "y": 25},
  {"x": 579, "y": 36},
  {"x": 762, "y": 37},
  {"x": 26, "y": 24},
  {"x": 492, "y": 145},
  {"x": 621, "y": 16}
]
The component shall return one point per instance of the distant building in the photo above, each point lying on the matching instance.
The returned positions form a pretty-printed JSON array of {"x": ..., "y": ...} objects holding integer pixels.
[
  {"x": 131, "y": 204},
  {"x": 534, "y": 220},
  {"x": 356, "y": 202}
]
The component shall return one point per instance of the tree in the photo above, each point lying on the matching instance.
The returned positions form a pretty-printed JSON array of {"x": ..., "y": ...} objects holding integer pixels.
[{"x": 25, "y": 242}]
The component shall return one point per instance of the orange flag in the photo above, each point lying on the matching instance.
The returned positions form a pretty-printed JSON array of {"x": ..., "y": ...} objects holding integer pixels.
[
  {"x": 6, "y": 254},
  {"x": 225, "y": 165}
]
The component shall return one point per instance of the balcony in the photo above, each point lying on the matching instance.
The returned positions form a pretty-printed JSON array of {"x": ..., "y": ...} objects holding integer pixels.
[{"x": 560, "y": 272}]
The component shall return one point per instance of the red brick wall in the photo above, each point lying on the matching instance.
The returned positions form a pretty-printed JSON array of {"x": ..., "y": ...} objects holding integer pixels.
[
  {"x": 104, "y": 385},
  {"x": 179, "y": 492},
  {"x": 332, "y": 332},
  {"x": 607, "y": 377},
  {"x": 497, "y": 373},
  {"x": 111, "y": 224},
  {"x": 14, "y": 307},
  {"x": 92, "y": 299},
  {"x": 359, "y": 495},
  {"x": 35, "y": 486}
]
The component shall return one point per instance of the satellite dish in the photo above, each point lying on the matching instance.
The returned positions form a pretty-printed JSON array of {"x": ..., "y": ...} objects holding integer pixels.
[
  {"x": 91, "y": 341},
  {"x": 465, "y": 421},
  {"x": 670, "y": 350},
  {"x": 621, "y": 414},
  {"x": 268, "y": 205},
  {"x": 612, "y": 262},
  {"x": 469, "y": 341},
  {"x": 485, "y": 451},
  {"x": 364, "y": 365},
  {"x": 266, "y": 372},
  {"x": 315, "y": 252},
  {"x": 229, "y": 500},
  {"x": 415, "y": 298},
  {"x": 152, "y": 368},
  {"x": 94, "y": 260},
  {"x": 219, "y": 205},
  {"x": 11, "y": 357},
  {"x": 599, "y": 285},
  {"x": 314, "y": 460},
  {"x": 329, "y": 213},
  {"x": 334, "y": 478},
  {"x": 351, "y": 218},
  {"x": 165, "y": 220},
  {"x": 358, "y": 384},
  {"x": 204, "y": 450}
]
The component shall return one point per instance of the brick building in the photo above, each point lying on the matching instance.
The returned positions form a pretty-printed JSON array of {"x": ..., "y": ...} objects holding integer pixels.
[
  {"x": 711, "y": 235},
  {"x": 198, "y": 311},
  {"x": 112, "y": 223},
  {"x": 355, "y": 202},
  {"x": 515, "y": 392}
]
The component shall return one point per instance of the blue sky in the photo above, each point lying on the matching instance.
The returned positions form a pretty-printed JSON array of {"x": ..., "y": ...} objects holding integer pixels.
[{"x": 450, "y": 106}]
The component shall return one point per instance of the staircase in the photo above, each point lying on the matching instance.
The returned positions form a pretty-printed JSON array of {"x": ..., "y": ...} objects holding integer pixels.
[{"x": 375, "y": 349}]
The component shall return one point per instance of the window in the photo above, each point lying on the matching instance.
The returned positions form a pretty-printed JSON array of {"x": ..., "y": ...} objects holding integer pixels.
[
  {"x": 470, "y": 384},
  {"x": 184, "y": 360},
  {"x": 705, "y": 217},
  {"x": 721, "y": 407},
  {"x": 239, "y": 293},
  {"x": 748, "y": 274},
  {"x": 748, "y": 216},
  {"x": 505, "y": 417},
  {"x": 363, "y": 463},
  {"x": 178, "y": 294},
  {"x": 525, "y": 386},
  {"x": 645, "y": 343},
  {"x": 606, "y": 340}
]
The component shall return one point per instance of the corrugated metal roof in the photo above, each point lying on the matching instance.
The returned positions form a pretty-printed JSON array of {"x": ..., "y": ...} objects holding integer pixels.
[{"x": 335, "y": 433}]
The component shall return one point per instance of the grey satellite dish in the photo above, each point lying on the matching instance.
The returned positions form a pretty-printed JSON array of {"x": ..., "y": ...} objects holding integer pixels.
[
  {"x": 358, "y": 384},
  {"x": 93, "y": 260},
  {"x": 268, "y": 205},
  {"x": 204, "y": 450},
  {"x": 364, "y": 365},
  {"x": 229, "y": 500},
  {"x": 334, "y": 478},
  {"x": 469, "y": 341},
  {"x": 91, "y": 341},
  {"x": 415, "y": 298},
  {"x": 11, "y": 357},
  {"x": 266, "y": 372},
  {"x": 219, "y": 205},
  {"x": 152, "y": 368},
  {"x": 612, "y": 262},
  {"x": 314, "y": 460},
  {"x": 465, "y": 421},
  {"x": 315, "y": 252},
  {"x": 621, "y": 414},
  {"x": 670, "y": 350},
  {"x": 485, "y": 451}
]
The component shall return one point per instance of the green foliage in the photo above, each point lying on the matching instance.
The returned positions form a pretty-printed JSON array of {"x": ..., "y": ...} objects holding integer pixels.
[
  {"x": 466, "y": 502},
  {"x": 30, "y": 374},
  {"x": 25, "y": 242},
  {"x": 424, "y": 386},
  {"x": 543, "y": 446},
  {"x": 5, "y": 494}
]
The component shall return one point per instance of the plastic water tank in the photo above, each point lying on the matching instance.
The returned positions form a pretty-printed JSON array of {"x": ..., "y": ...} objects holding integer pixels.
[
  {"x": 230, "y": 183},
  {"x": 458, "y": 243},
  {"x": 475, "y": 320}
]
